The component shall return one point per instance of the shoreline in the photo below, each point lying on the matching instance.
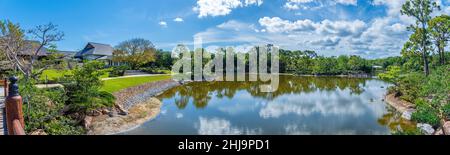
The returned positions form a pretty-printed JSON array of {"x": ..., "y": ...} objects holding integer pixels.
[
  {"x": 399, "y": 104},
  {"x": 138, "y": 102},
  {"x": 339, "y": 76}
]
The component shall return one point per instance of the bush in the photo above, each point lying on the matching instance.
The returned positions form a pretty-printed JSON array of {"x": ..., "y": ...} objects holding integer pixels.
[
  {"x": 63, "y": 126},
  {"x": 426, "y": 114},
  {"x": 156, "y": 71},
  {"x": 410, "y": 86},
  {"x": 43, "y": 110},
  {"x": 446, "y": 111},
  {"x": 437, "y": 86},
  {"x": 117, "y": 71},
  {"x": 83, "y": 88}
]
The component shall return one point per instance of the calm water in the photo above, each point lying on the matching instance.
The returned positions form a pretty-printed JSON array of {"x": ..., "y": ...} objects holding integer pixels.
[{"x": 302, "y": 106}]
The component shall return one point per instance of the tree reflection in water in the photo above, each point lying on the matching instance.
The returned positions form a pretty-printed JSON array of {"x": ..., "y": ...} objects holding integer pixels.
[{"x": 201, "y": 92}]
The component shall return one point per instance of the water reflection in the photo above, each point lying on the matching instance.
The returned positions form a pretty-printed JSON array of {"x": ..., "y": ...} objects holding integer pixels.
[
  {"x": 301, "y": 106},
  {"x": 201, "y": 92}
]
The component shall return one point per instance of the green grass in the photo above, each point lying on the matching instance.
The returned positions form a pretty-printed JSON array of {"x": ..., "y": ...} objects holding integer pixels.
[
  {"x": 116, "y": 85},
  {"x": 53, "y": 74}
]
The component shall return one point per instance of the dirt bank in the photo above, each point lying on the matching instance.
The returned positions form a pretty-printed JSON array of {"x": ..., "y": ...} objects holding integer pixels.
[
  {"x": 138, "y": 102},
  {"x": 399, "y": 104}
]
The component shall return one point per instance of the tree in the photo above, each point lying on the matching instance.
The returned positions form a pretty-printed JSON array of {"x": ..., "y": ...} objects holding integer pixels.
[
  {"x": 13, "y": 44},
  {"x": 343, "y": 62},
  {"x": 135, "y": 52},
  {"x": 358, "y": 64},
  {"x": 440, "y": 33},
  {"x": 391, "y": 75},
  {"x": 421, "y": 10},
  {"x": 83, "y": 88}
]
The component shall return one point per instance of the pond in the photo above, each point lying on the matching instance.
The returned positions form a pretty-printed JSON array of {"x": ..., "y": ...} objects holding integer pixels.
[{"x": 301, "y": 106}]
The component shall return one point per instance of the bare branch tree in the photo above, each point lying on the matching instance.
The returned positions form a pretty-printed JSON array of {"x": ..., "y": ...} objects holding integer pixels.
[
  {"x": 14, "y": 45},
  {"x": 46, "y": 35}
]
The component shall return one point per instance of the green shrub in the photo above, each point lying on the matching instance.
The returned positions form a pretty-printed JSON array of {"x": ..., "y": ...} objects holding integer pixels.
[
  {"x": 63, "y": 126},
  {"x": 391, "y": 75},
  {"x": 43, "y": 109},
  {"x": 156, "y": 71},
  {"x": 410, "y": 86},
  {"x": 426, "y": 114},
  {"x": 83, "y": 88},
  {"x": 437, "y": 86},
  {"x": 117, "y": 71},
  {"x": 446, "y": 111}
]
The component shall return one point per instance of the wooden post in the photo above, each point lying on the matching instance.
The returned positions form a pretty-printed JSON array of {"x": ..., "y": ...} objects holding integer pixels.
[
  {"x": 13, "y": 104},
  {"x": 5, "y": 86}
]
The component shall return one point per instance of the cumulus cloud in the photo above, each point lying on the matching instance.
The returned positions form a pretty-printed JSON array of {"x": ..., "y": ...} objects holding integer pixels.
[
  {"x": 214, "y": 8},
  {"x": 163, "y": 24},
  {"x": 276, "y": 24},
  {"x": 378, "y": 36},
  {"x": 306, "y": 105},
  {"x": 306, "y": 4},
  {"x": 178, "y": 19},
  {"x": 253, "y": 2},
  {"x": 328, "y": 41},
  {"x": 340, "y": 28},
  {"x": 217, "y": 126}
]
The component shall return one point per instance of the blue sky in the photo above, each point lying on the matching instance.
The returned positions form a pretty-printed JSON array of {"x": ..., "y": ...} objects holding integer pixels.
[{"x": 370, "y": 28}]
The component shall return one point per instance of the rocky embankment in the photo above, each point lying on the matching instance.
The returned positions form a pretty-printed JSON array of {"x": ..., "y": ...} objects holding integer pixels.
[
  {"x": 407, "y": 109},
  {"x": 134, "y": 106}
]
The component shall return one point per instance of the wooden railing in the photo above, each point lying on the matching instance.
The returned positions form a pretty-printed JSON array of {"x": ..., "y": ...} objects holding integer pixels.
[
  {"x": 17, "y": 128},
  {"x": 4, "y": 83},
  {"x": 13, "y": 109}
]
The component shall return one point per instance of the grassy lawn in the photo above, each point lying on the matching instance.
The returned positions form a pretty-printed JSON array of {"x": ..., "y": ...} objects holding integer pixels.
[
  {"x": 53, "y": 75},
  {"x": 115, "y": 85}
]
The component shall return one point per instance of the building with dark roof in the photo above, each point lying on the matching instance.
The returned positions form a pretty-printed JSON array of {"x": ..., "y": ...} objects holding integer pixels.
[
  {"x": 95, "y": 51},
  {"x": 31, "y": 47}
]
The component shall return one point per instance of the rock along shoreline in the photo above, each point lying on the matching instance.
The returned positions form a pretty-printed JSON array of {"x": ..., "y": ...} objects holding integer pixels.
[
  {"x": 138, "y": 104},
  {"x": 407, "y": 109}
]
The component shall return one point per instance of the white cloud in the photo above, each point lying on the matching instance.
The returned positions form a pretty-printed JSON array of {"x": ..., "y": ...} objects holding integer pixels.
[
  {"x": 163, "y": 24},
  {"x": 217, "y": 126},
  {"x": 179, "y": 115},
  {"x": 253, "y": 2},
  {"x": 322, "y": 104},
  {"x": 347, "y": 2},
  {"x": 340, "y": 28},
  {"x": 178, "y": 19},
  {"x": 381, "y": 36},
  {"x": 214, "y": 8},
  {"x": 305, "y": 4},
  {"x": 277, "y": 24}
]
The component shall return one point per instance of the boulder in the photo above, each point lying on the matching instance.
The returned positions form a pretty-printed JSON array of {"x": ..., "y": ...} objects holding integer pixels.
[
  {"x": 105, "y": 111},
  {"x": 95, "y": 113},
  {"x": 38, "y": 132},
  {"x": 121, "y": 110},
  {"x": 87, "y": 122},
  {"x": 439, "y": 132},
  {"x": 407, "y": 115},
  {"x": 447, "y": 128},
  {"x": 426, "y": 129}
]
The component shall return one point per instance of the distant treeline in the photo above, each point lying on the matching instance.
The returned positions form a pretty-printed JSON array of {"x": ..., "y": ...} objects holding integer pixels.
[{"x": 295, "y": 62}]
